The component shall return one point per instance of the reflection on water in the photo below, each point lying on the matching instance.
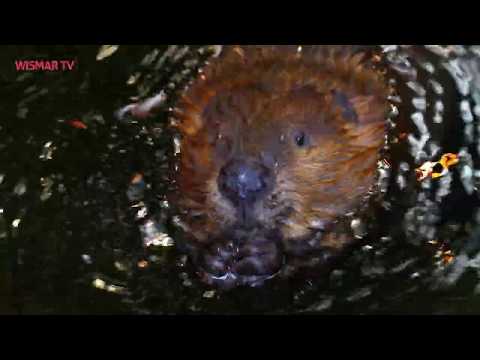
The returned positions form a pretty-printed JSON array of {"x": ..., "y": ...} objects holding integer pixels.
[{"x": 85, "y": 226}]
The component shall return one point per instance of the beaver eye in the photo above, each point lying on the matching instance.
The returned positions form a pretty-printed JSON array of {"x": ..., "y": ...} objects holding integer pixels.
[{"x": 301, "y": 139}]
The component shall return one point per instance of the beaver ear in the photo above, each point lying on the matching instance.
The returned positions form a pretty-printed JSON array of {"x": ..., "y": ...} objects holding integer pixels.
[{"x": 359, "y": 109}]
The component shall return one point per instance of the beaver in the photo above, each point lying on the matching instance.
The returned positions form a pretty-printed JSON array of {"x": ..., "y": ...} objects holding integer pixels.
[{"x": 277, "y": 142}]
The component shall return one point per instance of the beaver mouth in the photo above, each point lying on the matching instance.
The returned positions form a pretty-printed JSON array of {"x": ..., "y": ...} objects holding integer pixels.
[
  {"x": 231, "y": 280},
  {"x": 246, "y": 256},
  {"x": 241, "y": 256}
]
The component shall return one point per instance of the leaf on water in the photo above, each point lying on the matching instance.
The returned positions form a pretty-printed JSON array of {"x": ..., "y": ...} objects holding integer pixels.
[
  {"x": 106, "y": 51},
  {"x": 78, "y": 124},
  {"x": 438, "y": 169}
]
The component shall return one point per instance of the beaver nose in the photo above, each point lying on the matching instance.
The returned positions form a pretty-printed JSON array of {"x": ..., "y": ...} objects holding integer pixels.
[{"x": 242, "y": 180}]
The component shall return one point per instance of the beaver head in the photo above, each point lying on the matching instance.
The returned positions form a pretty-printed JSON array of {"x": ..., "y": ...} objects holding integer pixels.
[{"x": 276, "y": 143}]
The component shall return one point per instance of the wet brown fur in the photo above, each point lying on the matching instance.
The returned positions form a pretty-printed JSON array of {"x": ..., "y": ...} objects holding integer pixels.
[{"x": 250, "y": 100}]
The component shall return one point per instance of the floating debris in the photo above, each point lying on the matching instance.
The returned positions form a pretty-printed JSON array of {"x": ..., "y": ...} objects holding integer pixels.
[
  {"x": 455, "y": 269},
  {"x": 77, "y": 124},
  {"x": 438, "y": 169},
  {"x": 136, "y": 178},
  {"x": 142, "y": 264},
  {"x": 47, "y": 151},
  {"x": 447, "y": 257}
]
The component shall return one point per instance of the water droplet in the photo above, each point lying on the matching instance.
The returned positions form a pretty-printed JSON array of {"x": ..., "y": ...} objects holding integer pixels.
[
  {"x": 209, "y": 294},
  {"x": 16, "y": 223},
  {"x": 461, "y": 78},
  {"x": 417, "y": 88},
  {"x": 420, "y": 103},
  {"x": 358, "y": 228},
  {"x": 87, "y": 259},
  {"x": 120, "y": 266},
  {"x": 438, "y": 50},
  {"x": 418, "y": 120},
  {"x": 436, "y": 87},
  {"x": 318, "y": 224},
  {"x": 177, "y": 145},
  {"x": 141, "y": 213},
  {"x": 405, "y": 167},
  {"x": 467, "y": 177},
  {"x": 99, "y": 283},
  {"x": 106, "y": 51},
  {"x": 401, "y": 182},
  {"x": 415, "y": 275},
  {"x": 47, "y": 151},
  {"x": 152, "y": 236},
  {"x": 383, "y": 178},
  {"x": 359, "y": 294},
  {"x": 395, "y": 98},
  {"x": 444, "y": 186},
  {"x": 389, "y": 48},
  {"x": 466, "y": 112},
  {"x": 429, "y": 67},
  {"x": 367, "y": 248},
  {"x": 469, "y": 133},
  {"x": 417, "y": 146}
]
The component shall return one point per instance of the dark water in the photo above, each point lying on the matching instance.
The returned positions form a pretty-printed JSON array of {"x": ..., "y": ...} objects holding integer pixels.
[{"x": 73, "y": 228}]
